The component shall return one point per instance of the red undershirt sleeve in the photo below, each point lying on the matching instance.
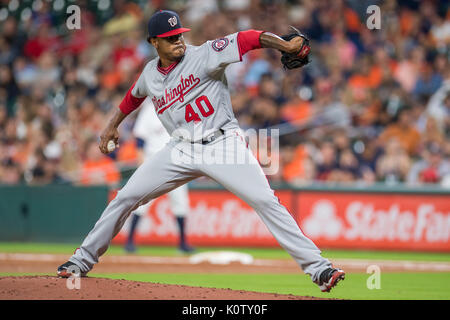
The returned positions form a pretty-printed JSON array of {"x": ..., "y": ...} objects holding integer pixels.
[
  {"x": 129, "y": 102},
  {"x": 248, "y": 40}
]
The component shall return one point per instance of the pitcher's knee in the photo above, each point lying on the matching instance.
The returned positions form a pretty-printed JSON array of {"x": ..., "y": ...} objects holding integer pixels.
[
  {"x": 130, "y": 201},
  {"x": 263, "y": 201}
]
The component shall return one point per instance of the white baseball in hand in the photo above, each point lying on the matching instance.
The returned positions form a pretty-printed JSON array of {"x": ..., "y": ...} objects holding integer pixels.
[{"x": 111, "y": 146}]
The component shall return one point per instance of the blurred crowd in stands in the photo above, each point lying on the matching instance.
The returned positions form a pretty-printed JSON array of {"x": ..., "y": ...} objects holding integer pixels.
[{"x": 372, "y": 106}]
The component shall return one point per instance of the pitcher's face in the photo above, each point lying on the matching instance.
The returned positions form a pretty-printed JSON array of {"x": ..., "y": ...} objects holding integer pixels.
[{"x": 172, "y": 48}]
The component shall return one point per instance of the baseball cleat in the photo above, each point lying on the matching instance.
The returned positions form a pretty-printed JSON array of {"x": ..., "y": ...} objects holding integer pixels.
[
  {"x": 329, "y": 278},
  {"x": 69, "y": 269},
  {"x": 130, "y": 247},
  {"x": 186, "y": 249}
]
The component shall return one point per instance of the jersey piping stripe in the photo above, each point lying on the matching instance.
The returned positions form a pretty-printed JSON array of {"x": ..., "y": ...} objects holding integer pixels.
[{"x": 165, "y": 71}]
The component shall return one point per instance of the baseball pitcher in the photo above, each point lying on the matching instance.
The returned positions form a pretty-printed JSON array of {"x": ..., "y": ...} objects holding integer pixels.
[{"x": 188, "y": 89}]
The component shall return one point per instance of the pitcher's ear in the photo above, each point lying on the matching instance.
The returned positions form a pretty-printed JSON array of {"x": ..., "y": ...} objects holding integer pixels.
[{"x": 154, "y": 42}]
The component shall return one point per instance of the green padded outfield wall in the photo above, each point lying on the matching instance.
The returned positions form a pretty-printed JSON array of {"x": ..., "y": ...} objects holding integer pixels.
[{"x": 49, "y": 213}]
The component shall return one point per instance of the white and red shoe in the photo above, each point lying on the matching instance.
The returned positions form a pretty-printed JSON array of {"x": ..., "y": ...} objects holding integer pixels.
[
  {"x": 69, "y": 269},
  {"x": 329, "y": 278}
]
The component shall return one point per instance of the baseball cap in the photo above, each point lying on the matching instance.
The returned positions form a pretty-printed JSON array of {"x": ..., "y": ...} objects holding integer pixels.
[{"x": 165, "y": 23}]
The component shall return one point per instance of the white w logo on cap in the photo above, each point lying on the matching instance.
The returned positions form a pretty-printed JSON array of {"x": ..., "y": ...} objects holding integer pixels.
[{"x": 172, "y": 21}]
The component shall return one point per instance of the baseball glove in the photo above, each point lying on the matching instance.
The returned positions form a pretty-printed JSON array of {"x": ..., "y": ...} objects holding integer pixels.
[{"x": 301, "y": 57}]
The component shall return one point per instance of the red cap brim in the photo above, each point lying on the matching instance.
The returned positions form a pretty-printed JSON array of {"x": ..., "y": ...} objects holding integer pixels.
[{"x": 173, "y": 32}]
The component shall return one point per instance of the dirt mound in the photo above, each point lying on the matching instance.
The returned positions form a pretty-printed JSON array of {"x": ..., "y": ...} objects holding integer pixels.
[{"x": 53, "y": 288}]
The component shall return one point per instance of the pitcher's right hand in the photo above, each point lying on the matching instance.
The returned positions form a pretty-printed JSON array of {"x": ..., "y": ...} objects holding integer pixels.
[{"x": 110, "y": 133}]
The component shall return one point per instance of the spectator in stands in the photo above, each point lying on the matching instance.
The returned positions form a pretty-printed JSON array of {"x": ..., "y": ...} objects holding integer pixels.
[
  {"x": 348, "y": 167},
  {"x": 327, "y": 162},
  {"x": 98, "y": 168},
  {"x": 393, "y": 166},
  {"x": 10, "y": 172},
  {"x": 340, "y": 140},
  {"x": 369, "y": 153},
  {"x": 45, "y": 170},
  {"x": 432, "y": 168},
  {"x": 60, "y": 81},
  {"x": 269, "y": 89},
  {"x": 297, "y": 166},
  {"x": 408, "y": 70},
  {"x": 404, "y": 131},
  {"x": 297, "y": 110},
  {"x": 8, "y": 83},
  {"x": 428, "y": 82},
  {"x": 431, "y": 133},
  {"x": 264, "y": 113},
  {"x": 14, "y": 37},
  {"x": 439, "y": 107},
  {"x": 41, "y": 40},
  {"x": 329, "y": 112},
  {"x": 3, "y": 118}
]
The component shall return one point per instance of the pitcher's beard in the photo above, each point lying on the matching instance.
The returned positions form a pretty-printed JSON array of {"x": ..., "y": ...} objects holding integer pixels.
[{"x": 178, "y": 58}]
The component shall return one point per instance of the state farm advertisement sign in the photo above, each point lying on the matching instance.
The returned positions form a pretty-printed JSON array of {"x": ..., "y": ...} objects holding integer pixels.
[
  {"x": 375, "y": 221},
  {"x": 330, "y": 219},
  {"x": 216, "y": 218}
]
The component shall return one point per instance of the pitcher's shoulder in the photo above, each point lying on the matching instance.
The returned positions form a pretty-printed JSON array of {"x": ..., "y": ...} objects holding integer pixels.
[
  {"x": 195, "y": 50},
  {"x": 150, "y": 66},
  {"x": 152, "y": 63}
]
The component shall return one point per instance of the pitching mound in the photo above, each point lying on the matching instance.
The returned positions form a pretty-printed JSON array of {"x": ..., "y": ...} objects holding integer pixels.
[{"x": 53, "y": 288}]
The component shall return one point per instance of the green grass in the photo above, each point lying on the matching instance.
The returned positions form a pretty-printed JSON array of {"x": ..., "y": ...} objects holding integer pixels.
[
  {"x": 394, "y": 286},
  {"x": 258, "y": 253}
]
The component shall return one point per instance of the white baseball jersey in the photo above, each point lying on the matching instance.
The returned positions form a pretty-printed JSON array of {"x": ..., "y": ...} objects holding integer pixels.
[
  {"x": 148, "y": 128},
  {"x": 192, "y": 99}
]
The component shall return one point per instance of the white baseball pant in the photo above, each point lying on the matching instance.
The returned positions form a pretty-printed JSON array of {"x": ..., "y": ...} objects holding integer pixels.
[
  {"x": 164, "y": 172},
  {"x": 178, "y": 199}
]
